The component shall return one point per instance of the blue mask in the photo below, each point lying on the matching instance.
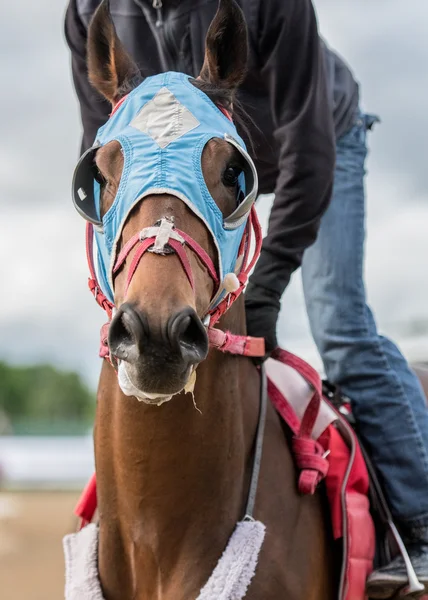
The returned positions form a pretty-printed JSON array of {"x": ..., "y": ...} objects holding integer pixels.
[{"x": 163, "y": 126}]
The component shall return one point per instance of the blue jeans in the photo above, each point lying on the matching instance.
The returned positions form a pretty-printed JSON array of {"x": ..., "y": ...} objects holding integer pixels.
[{"x": 388, "y": 401}]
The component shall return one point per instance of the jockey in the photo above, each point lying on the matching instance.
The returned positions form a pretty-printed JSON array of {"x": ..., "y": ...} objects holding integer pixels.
[{"x": 303, "y": 104}]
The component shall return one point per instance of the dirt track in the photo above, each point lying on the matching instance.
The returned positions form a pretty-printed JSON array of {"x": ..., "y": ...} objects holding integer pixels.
[{"x": 31, "y": 529}]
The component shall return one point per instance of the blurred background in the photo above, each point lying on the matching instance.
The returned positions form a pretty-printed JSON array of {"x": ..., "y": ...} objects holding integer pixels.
[{"x": 49, "y": 323}]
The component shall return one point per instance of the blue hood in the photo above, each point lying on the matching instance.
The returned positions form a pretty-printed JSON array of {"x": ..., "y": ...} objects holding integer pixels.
[{"x": 163, "y": 127}]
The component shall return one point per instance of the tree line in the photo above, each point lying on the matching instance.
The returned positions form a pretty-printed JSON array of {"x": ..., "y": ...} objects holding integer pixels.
[{"x": 43, "y": 394}]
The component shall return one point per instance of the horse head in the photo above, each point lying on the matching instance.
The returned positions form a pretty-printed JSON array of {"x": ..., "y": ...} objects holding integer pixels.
[{"x": 168, "y": 187}]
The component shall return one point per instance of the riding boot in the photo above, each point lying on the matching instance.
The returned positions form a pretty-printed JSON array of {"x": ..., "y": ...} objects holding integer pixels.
[{"x": 388, "y": 580}]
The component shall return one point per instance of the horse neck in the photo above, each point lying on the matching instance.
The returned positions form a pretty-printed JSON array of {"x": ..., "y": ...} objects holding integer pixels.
[{"x": 173, "y": 481}]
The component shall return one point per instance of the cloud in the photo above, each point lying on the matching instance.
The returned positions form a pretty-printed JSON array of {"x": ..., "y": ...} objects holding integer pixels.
[
  {"x": 386, "y": 45},
  {"x": 48, "y": 314}
]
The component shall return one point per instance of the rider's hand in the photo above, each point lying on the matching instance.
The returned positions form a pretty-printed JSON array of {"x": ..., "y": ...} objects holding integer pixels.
[{"x": 262, "y": 309}]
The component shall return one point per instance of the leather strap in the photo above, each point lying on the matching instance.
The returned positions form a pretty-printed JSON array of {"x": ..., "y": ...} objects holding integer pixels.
[
  {"x": 249, "y": 511},
  {"x": 147, "y": 243},
  {"x": 310, "y": 455},
  {"x": 236, "y": 344}
]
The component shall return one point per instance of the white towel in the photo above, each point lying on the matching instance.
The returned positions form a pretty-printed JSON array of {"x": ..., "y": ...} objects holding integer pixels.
[
  {"x": 81, "y": 565},
  {"x": 229, "y": 580},
  {"x": 236, "y": 568}
]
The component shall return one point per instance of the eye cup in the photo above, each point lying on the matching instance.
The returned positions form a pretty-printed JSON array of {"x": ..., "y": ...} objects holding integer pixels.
[{"x": 85, "y": 187}]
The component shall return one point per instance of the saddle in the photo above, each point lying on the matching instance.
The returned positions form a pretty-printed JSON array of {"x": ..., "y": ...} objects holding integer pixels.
[
  {"x": 360, "y": 516},
  {"x": 327, "y": 451}
]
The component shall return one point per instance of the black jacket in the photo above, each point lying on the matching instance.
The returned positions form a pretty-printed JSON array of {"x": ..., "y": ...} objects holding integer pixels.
[{"x": 284, "y": 95}]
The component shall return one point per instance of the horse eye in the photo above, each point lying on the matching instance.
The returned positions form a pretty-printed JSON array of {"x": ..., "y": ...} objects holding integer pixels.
[
  {"x": 98, "y": 176},
  {"x": 231, "y": 175}
]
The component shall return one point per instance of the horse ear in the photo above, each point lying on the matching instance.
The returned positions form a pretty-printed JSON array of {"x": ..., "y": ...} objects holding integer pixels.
[
  {"x": 110, "y": 68},
  {"x": 226, "y": 48}
]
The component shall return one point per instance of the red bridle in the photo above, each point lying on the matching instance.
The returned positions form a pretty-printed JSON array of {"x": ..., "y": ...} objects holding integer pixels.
[
  {"x": 147, "y": 242},
  {"x": 224, "y": 341}
]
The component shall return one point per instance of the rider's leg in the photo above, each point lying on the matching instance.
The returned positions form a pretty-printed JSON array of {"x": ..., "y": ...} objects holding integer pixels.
[{"x": 388, "y": 401}]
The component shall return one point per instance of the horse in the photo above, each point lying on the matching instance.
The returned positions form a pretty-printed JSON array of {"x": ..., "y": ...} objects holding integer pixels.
[{"x": 174, "y": 467}]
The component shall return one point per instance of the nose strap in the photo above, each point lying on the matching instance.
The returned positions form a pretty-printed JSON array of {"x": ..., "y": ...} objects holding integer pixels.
[
  {"x": 203, "y": 256},
  {"x": 164, "y": 239},
  {"x": 163, "y": 232}
]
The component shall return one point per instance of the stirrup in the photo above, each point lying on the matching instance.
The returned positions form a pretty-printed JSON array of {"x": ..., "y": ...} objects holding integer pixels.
[{"x": 414, "y": 585}]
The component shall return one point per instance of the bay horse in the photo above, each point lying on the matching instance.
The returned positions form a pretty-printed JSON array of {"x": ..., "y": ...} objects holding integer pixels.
[{"x": 173, "y": 480}]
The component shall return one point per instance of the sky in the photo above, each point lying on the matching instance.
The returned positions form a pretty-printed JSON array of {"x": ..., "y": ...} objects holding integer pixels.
[{"x": 47, "y": 314}]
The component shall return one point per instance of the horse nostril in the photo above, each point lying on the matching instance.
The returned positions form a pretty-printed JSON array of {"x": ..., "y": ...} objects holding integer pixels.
[
  {"x": 126, "y": 334},
  {"x": 188, "y": 333}
]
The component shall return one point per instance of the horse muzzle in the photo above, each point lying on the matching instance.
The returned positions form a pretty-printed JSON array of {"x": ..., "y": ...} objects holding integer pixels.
[{"x": 155, "y": 361}]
